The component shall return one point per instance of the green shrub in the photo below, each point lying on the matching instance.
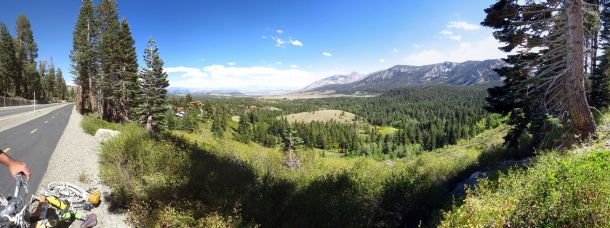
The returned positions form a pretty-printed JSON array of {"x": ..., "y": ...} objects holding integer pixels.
[
  {"x": 196, "y": 179},
  {"x": 556, "y": 191},
  {"x": 92, "y": 123}
]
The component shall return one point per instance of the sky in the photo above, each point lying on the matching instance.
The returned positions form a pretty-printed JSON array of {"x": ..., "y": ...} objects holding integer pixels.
[{"x": 268, "y": 45}]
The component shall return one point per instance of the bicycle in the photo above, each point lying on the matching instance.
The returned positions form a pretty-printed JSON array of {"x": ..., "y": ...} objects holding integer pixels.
[
  {"x": 14, "y": 211},
  {"x": 67, "y": 202}
]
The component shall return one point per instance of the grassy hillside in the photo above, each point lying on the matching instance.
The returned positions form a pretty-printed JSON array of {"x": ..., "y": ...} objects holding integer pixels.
[
  {"x": 195, "y": 179},
  {"x": 570, "y": 189}
]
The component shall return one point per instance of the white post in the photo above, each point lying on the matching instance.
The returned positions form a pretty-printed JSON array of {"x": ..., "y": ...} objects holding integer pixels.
[{"x": 34, "y": 101}]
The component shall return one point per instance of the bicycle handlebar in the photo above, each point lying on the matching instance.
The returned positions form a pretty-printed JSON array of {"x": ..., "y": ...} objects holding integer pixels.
[{"x": 15, "y": 205}]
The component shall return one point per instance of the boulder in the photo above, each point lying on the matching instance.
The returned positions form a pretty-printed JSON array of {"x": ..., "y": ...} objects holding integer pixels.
[{"x": 103, "y": 135}]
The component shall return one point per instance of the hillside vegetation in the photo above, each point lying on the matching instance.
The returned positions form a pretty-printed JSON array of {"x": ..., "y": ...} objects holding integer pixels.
[
  {"x": 569, "y": 189},
  {"x": 196, "y": 179}
]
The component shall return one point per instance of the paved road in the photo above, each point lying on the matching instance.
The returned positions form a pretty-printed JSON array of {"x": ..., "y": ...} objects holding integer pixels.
[
  {"x": 33, "y": 142},
  {"x": 12, "y": 110}
]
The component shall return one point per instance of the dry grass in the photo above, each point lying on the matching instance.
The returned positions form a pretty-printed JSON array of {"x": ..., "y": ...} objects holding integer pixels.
[
  {"x": 235, "y": 119},
  {"x": 322, "y": 116}
]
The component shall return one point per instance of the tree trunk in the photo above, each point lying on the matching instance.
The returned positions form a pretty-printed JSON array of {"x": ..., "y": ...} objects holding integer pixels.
[
  {"x": 92, "y": 102},
  {"x": 149, "y": 123},
  {"x": 80, "y": 101},
  {"x": 574, "y": 86}
]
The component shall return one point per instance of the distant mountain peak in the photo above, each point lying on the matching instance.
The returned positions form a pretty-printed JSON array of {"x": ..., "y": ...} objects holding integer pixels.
[
  {"x": 451, "y": 73},
  {"x": 334, "y": 80}
]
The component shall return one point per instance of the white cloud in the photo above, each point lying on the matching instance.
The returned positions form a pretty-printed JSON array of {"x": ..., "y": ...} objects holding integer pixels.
[
  {"x": 456, "y": 38},
  {"x": 187, "y": 72},
  {"x": 481, "y": 50},
  {"x": 296, "y": 43},
  {"x": 202, "y": 59},
  {"x": 416, "y": 45},
  {"x": 231, "y": 63},
  {"x": 462, "y": 25},
  {"x": 242, "y": 78},
  {"x": 279, "y": 31},
  {"x": 278, "y": 41},
  {"x": 294, "y": 66},
  {"x": 395, "y": 50},
  {"x": 381, "y": 60},
  {"x": 278, "y": 63},
  {"x": 450, "y": 35},
  {"x": 264, "y": 37},
  {"x": 327, "y": 54}
]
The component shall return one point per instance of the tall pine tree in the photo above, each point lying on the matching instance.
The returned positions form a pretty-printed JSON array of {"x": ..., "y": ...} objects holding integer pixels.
[
  {"x": 600, "y": 79},
  {"x": 60, "y": 85},
  {"x": 153, "y": 86},
  {"x": 108, "y": 50},
  {"x": 128, "y": 72},
  {"x": 84, "y": 58},
  {"x": 8, "y": 61},
  {"x": 27, "y": 54},
  {"x": 244, "y": 129},
  {"x": 49, "y": 83},
  {"x": 545, "y": 81}
]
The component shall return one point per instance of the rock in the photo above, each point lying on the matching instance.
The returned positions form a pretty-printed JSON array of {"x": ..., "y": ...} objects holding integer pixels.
[{"x": 103, "y": 135}]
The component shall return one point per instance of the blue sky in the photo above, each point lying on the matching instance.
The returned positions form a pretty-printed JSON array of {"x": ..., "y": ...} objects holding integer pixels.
[{"x": 270, "y": 45}]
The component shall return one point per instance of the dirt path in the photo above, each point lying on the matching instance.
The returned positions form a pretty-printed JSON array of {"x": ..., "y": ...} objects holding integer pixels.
[{"x": 75, "y": 160}]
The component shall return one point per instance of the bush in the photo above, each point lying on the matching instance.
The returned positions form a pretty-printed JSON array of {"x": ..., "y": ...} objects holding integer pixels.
[
  {"x": 92, "y": 123},
  {"x": 556, "y": 191},
  {"x": 196, "y": 179}
]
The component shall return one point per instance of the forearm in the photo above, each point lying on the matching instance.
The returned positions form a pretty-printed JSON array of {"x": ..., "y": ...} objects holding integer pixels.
[
  {"x": 14, "y": 166},
  {"x": 5, "y": 159}
]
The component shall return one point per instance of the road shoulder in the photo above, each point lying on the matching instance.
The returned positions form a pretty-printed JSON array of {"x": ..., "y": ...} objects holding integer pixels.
[{"x": 76, "y": 156}]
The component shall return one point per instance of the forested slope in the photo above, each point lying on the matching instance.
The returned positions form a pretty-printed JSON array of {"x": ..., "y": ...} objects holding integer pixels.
[{"x": 198, "y": 179}]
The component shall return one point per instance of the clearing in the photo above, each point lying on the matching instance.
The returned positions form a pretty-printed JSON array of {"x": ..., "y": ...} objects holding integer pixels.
[{"x": 322, "y": 116}]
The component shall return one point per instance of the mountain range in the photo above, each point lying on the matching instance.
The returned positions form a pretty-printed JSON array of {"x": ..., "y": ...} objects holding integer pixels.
[
  {"x": 451, "y": 73},
  {"x": 333, "y": 80}
]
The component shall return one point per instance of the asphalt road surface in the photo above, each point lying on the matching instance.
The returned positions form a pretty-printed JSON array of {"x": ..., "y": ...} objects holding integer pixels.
[
  {"x": 33, "y": 142},
  {"x": 12, "y": 110}
]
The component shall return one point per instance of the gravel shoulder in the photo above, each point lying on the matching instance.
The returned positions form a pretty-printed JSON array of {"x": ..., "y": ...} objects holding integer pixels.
[{"x": 77, "y": 154}]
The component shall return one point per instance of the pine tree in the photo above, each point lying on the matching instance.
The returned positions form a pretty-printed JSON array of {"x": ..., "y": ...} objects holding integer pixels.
[
  {"x": 84, "y": 59},
  {"x": 548, "y": 80},
  {"x": 60, "y": 85},
  {"x": 37, "y": 83},
  {"x": 27, "y": 54},
  {"x": 41, "y": 75},
  {"x": 128, "y": 72},
  {"x": 218, "y": 127},
  {"x": 600, "y": 79},
  {"x": 8, "y": 61},
  {"x": 188, "y": 98},
  {"x": 49, "y": 83},
  {"x": 244, "y": 129},
  {"x": 290, "y": 143},
  {"x": 109, "y": 53},
  {"x": 153, "y": 85}
]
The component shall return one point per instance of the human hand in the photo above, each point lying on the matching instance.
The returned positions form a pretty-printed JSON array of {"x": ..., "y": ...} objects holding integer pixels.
[{"x": 15, "y": 167}]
